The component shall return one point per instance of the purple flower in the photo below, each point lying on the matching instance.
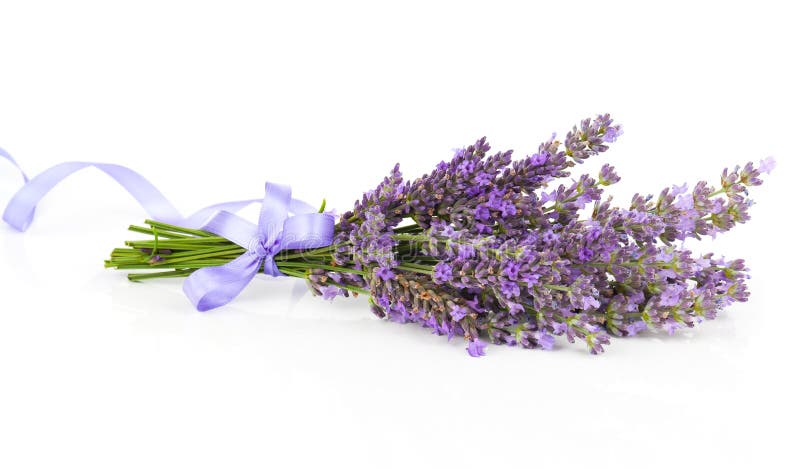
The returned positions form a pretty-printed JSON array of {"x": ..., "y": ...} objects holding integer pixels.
[
  {"x": 514, "y": 308},
  {"x": 398, "y": 313},
  {"x": 431, "y": 322},
  {"x": 635, "y": 327},
  {"x": 465, "y": 251},
  {"x": 508, "y": 209},
  {"x": 585, "y": 254},
  {"x": 671, "y": 295},
  {"x": 511, "y": 270},
  {"x": 383, "y": 301},
  {"x": 684, "y": 202},
  {"x": 482, "y": 213},
  {"x": 476, "y": 347},
  {"x": 442, "y": 273},
  {"x": 458, "y": 313},
  {"x": 531, "y": 279},
  {"x": 385, "y": 273},
  {"x": 482, "y": 179},
  {"x": 445, "y": 328},
  {"x": 559, "y": 328},
  {"x": 545, "y": 341},
  {"x": 330, "y": 292},
  {"x": 510, "y": 289},
  {"x": 335, "y": 276},
  {"x": 596, "y": 342},
  {"x": 767, "y": 165},
  {"x": 612, "y": 134},
  {"x": 475, "y": 304},
  {"x": 537, "y": 159},
  {"x": 671, "y": 325},
  {"x": 608, "y": 176},
  {"x": 549, "y": 237},
  {"x": 466, "y": 168}
]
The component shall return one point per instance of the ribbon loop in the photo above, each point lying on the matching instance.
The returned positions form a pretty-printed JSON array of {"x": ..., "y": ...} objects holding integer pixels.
[{"x": 212, "y": 287}]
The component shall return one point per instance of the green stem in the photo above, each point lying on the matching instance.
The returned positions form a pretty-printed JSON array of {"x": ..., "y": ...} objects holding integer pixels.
[
  {"x": 178, "y": 229},
  {"x": 556, "y": 287},
  {"x": 350, "y": 288},
  {"x": 319, "y": 266},
  {"x": 167, "y": 274},
  {"x": 420, "y": 268},
  {"x": 170, "y": 261},
  {"x": 149, "y": 231}
]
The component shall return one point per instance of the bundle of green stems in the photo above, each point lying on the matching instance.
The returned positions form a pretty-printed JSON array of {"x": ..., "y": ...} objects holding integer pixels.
[{"x": 175, "y": 251}]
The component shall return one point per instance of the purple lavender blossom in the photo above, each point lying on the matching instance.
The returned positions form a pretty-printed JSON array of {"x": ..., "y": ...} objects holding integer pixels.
[
  {"x": 458, "y": 313},
  {"x": 487, "y": 247},
  {"x": 329, "y": 292},
  {"x": 442, "y": 273},
  {"x": 476, "y": 348},
  {"x": 635, "y": 327},
  {"x": 671, "y": 325},
  {"x": 767, "y": 165},
  {"x": 545, "y": 341},
  {"x": 384, "y": 273}
]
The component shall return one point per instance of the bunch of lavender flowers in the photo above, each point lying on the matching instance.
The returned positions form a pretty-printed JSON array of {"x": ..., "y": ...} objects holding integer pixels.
[{"x": 497, "y": 250}]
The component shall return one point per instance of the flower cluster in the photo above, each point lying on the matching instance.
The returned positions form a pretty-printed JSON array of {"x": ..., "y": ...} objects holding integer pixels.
[{"x": 491, "y": 249}]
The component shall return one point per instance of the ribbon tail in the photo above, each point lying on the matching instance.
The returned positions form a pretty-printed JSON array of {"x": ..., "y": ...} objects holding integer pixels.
[
  {"x": 10, "y": 158},
  {"x": 212, "y": 287},
  {"x": 233, "y": 228},
  {"x": 19, "y": 211}
]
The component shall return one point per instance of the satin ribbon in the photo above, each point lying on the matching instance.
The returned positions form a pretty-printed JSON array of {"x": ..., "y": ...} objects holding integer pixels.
[
  {"x": 10, "y": 158},
  {"x": 209, "y": 287}
]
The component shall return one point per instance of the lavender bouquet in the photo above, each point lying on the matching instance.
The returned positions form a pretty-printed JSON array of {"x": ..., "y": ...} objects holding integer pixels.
[{"x": 504, "y": 251}]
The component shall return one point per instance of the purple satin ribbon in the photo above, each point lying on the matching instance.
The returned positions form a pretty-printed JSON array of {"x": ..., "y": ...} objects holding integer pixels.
[
  {"x": 10, "y": 158},
  {"x": 209, "y": 287}
]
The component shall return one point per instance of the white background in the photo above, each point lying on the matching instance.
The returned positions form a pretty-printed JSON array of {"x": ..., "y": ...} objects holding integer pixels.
[{"x": 210, "y": 99}]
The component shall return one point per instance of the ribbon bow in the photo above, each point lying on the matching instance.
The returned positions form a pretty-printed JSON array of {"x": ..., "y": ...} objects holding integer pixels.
[{"x": 209, "y": 287}]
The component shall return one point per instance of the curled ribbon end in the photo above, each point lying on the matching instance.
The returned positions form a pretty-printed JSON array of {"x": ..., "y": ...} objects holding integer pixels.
[
  {"x": 18, "y": 218},
  {"x": 204, "y": 306}
]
